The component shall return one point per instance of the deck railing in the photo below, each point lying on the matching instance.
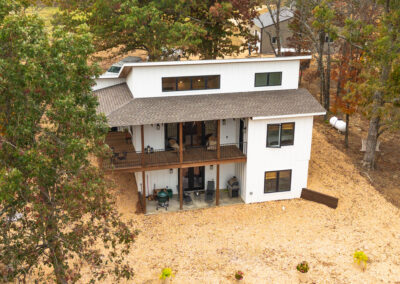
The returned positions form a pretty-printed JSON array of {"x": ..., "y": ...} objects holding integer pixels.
[{"x": 164, "y": 157}]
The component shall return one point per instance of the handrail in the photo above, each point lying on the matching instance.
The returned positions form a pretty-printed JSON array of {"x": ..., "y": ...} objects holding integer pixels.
[{"x": 160, "y": 157}]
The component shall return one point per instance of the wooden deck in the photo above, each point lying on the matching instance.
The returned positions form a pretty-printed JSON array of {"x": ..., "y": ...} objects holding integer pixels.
[{"x": 160, "y": 159}]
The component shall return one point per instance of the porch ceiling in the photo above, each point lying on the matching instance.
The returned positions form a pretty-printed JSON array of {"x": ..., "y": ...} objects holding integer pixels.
[{"x": 141, "y": 111}]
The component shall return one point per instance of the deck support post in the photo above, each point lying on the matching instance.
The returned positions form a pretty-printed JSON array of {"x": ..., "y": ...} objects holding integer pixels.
[
  {"x": 218, "y": 139},
  {"x": 218, "y": 158},
  {"x": 144, "y": 191},
  {"x": 180, "y": 143},
  {"x": 180, "y": 162},
  {"x": 217, "y": 193},
  {"x": 180, "y": 189},
  {"x": 142, "y": 141}
]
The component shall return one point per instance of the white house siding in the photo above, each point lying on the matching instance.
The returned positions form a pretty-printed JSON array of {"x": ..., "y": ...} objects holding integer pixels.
[
  {"x": 261, "y": 159},
  {"x": 152, "y": 136},
  {"x": 102, "y": 83},
  {"x": 146, "y": 81}
]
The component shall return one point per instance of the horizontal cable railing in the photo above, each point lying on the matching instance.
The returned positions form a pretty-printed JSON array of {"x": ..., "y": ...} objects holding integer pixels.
[{"x": 164, "y": 157}]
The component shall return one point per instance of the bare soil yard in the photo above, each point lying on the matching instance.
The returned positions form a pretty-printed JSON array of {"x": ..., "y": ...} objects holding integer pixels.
[{"x": 267, "y": 240}]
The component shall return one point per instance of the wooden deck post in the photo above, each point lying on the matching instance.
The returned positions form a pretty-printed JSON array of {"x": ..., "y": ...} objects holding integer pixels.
[
  {"x": 144, "y": 191},
  {"x": 218, "y": 139},
  {"x": 180, "y": 189},
  {"x": 142, "y": 137},
  {"x": 180, "y": 142},
  {"x": 217, "y": 193}
]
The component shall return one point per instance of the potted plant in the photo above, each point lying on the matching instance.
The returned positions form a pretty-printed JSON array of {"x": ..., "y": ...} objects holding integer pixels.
[
  {"x": 166, "y": 275},
  {"x": 239, "y": 275},
  {"x": 303, "y": 268}
]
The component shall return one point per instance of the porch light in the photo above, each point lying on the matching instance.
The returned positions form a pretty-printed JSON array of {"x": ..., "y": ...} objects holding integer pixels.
[
  {"x": 171, "y": 171},
  {"x": 158, "y": 126},
  {"x": 211, "y": 167},
  {"x": 224, "y": 122}
]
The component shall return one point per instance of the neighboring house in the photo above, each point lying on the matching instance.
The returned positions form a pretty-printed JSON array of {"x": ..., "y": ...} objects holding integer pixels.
[
  {"x": 264, "y": 26},
  {"x": 193, "y": 125},
  {"x": 265, "y": 30}
]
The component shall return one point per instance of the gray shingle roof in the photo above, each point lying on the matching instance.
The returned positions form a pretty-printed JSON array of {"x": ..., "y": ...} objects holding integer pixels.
[
  {"x": 112, "y": 98},
  {"x": 212, "y": 107},
  {"x": 265, "y": 20}
]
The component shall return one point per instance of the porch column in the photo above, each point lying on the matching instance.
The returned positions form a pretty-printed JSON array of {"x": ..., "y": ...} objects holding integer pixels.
[
  {"x": 218, "y": 139},
  {"x": 144, "y": 191},
  {"x": 142, "y": 137},
  {"x": 217, "y": 193},
  {"x": 180, "y": 142},
  {"x": 218, "y": 158},
  {"x": 180, "y": 170},
  {"x": 180, "y": 189}
]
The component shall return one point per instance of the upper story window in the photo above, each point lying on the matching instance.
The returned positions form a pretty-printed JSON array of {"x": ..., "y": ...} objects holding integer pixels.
[
  {"x": 268, "y": 79},
  {"x": 277, "y": 181},
  {"x": 328, "y": 39},
  {"x": 280, "y": 135},
  {"x": 274, "y": 39},
  {"x": 170, "y": 84}
]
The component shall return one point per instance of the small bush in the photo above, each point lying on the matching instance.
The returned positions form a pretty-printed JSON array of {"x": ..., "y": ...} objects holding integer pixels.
[
  {"x": 239, "y": 275},
  {"x": 303, "y": 267},
  {"x": 361, "y": 259},
  {"x": 166, "y": 272}
]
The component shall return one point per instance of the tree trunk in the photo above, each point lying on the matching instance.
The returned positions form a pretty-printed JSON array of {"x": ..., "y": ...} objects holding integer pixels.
[
  {"x": 327, "y": 90},
  {"x": 374, "y": 123},
  {"x": 346, "y": 136},
  {"x": 321, "y": 70}
]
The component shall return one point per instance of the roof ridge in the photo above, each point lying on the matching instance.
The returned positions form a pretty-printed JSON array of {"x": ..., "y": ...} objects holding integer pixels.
[{"x": 112, "y": 87}]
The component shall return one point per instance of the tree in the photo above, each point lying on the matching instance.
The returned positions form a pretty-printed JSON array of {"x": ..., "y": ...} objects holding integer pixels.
[
  {"x": 203, "y": 28},
  {"x": 54, "y": 204},
  {"x": 275, "y": 8},
  {"x": 380, "y": 89},
  {"x": 316, "y": 24}
]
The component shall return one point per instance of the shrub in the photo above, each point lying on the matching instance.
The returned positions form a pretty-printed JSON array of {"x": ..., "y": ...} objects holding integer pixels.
[
  {"x": 360, "y": 258},
  {"x": 166, "y": 272},
  {"x": 239, "y": 275},
  {"x": 303, "y": 267}
]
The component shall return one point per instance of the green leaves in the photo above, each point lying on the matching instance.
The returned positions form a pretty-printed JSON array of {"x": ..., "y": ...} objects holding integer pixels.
[{"x": 49, "y": 130}]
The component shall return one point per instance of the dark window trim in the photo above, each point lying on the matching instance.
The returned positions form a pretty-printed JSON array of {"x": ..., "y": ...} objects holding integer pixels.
[
  {"x": 205, "y": 77},
  {"x": 280, "y": 129},
  {"x": 277, "y": 181},
  {"x": 268, "y": 73},
  {"x": 280, "y": 134}
]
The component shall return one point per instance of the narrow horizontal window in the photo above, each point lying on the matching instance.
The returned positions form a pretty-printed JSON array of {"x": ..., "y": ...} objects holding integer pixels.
[
  {"x": 190, "y": 83},
  {"x": 277, "y": 181},
  {"x": 280, "y": 135},
  {"x": 268, "y": 79}
]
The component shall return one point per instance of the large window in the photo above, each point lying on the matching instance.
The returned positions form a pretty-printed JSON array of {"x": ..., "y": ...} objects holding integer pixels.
[
  {"x": 268, "y": 79},
  {"x": 280, "y": 135},
  {"x": 170, "y": 84},
  {"x": 277, "y": 181}
]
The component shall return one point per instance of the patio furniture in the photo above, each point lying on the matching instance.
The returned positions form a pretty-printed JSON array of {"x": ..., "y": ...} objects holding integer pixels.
[
  {"x": 210, "y": 192},
  {"x": 187, "y": 199},
  {"x": 233, "y": 187},
  {"x": 123, "y": 157},
  {"x": 162, "y": 200}
]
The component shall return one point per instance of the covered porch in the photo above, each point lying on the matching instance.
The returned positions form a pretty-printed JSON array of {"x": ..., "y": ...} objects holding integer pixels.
[{"x": 198, "y": 202}]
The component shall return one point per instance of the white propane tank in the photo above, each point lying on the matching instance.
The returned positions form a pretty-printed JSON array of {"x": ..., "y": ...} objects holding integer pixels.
[
  {"x": 340, "y": 125},
  {"x": 333, "y": 120}
]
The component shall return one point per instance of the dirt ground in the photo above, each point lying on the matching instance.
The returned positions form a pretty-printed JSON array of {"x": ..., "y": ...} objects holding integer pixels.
[{"x": 267, "y": 240}]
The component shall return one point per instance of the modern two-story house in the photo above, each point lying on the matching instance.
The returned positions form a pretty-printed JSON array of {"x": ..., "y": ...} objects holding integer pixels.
[{"x": 193, "y": 126}]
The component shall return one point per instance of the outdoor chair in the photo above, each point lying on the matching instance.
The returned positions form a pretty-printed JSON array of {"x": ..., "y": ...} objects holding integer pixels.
[
  {"x": 123, "y": 157},
  {"x": 187, "y": 199},
  {"x": 210, "y": 192}
]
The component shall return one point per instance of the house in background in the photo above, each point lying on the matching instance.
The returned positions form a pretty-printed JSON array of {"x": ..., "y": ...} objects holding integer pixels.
[
  {"x": 264, "y": 27},
  {"x": 265, "y": 30},
  {"x": 193, "y": 127}
]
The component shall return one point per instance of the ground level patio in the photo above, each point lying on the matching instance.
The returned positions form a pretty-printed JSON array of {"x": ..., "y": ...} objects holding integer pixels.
[{"x": 198, "y": 202}]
